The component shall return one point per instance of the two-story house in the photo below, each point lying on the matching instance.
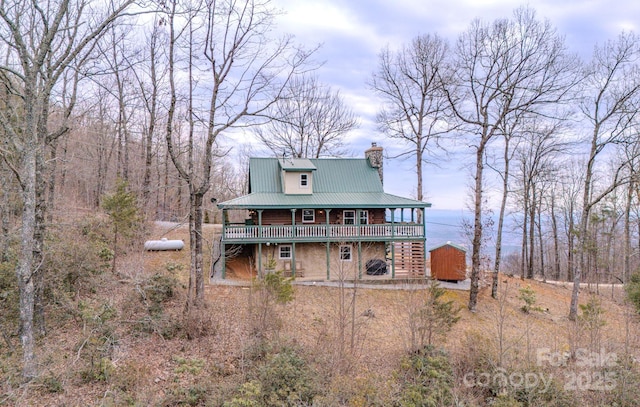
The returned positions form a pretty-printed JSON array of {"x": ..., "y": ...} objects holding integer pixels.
[{"x": 325, "y": 218}]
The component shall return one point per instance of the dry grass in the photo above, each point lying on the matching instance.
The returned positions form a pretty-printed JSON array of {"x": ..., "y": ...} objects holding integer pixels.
[{"x": 151, "y": 369}]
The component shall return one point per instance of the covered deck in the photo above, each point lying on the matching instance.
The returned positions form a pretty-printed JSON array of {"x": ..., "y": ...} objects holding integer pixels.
[{"x": 330, "y": 233}]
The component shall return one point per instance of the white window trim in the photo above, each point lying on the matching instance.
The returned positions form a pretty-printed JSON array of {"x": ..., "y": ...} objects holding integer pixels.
[
  {"x": 366, "y": 212},
  {"x": 306, "y": 180},
  {"x": 344, "y": 217},
  {"x": 280, "y": 252},
  {"x": 346, "y": 246},
  {"x": 313, "y": 216}
]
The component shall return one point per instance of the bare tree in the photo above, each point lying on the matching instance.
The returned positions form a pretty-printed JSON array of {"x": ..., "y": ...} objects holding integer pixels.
[
  {"x": 247, "y": 73},
  {"x": 149, "y": 79},
  {"x": 414, "y": 107},
  {"x": 309, "y": 120},
  {"x": 570, "y": 182},
  {"x": 536, "y": 158},
  {"x": 511, "y": 67},
  {"x": 42, "y": 41},
  {"x": 630, "y": 198},
  {"x": 610, "y": 106},
  {"x": 510, "y": 139}
]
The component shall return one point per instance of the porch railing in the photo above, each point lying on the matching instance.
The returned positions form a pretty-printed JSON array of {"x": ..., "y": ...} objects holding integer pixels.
[{"x": 323, "y": 232}]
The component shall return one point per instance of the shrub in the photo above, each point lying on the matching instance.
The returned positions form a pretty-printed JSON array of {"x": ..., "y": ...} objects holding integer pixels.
[
  {"x": 51, "y": 383},
  {"x": 146, "y": 305},
  {"x": 627, "y": 382},
  {"x": 9, "y": 313},
  {"x": 286, "y": 379},
  {"x": 633, "y": 290},
  {"x": 426, "y": 379},
  {"x": 249, "y": 396},
  {"x": 433, "y": 319},
  {"x": 130, "y": 376},
  {"x": 198, "y": 323},
  {"x": 592, "y": 320},
  {"x": 359, "y": 391},
  {"x": 195, "y": 395},
  {"x": 192, "y": 366},
  {"x": 97, "y": 346},
  {"x": 528, "y": 296},
  {"x": 160, "y": 288},
  {"x": 267, "y": 294},
  {"x": 283, "y": 378}
]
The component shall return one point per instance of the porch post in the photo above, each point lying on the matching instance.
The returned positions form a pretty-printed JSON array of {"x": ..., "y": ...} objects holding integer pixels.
[
  {"x": 222, "y": 245},
  {"x": 359, "y": 259},
  {"x": 393, "y": 246},
  {"x": 293, "y": 243},
  {"x": 423, "y": 211},
  {"x": 260, "y": 271},
  {"x": 328, "y": 235}
]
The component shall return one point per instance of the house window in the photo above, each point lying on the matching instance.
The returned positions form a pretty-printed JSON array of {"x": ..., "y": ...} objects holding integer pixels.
[
  {"x": 308, "y": 215},
  {"x": 364, "y": 217},
  {"x": 284, "y": 252},
  {"x": 345, "y": 253},
  {"x": 304, "y": 180},
  {"x": 349, "y": 217}
]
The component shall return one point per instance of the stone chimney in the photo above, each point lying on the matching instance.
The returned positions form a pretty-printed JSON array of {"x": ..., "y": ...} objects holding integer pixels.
[{"x": 374, "y": 155}]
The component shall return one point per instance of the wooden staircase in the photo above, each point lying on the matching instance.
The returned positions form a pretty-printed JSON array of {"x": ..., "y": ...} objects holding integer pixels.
[{"x": 410, "y": 258}]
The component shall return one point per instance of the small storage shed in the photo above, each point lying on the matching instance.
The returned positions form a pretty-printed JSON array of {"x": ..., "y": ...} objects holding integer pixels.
[{"x": 448, "y": 262}]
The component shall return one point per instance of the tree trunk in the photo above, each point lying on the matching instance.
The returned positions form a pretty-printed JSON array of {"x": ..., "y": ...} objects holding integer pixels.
[
  {"x": 532, "y": 222},
  {"x": 419, "y": 195},
  {"x": 525, "y": 228},
  {"x": 25, "y": 262},
  {"x": 626, "y": 270},
  {"x": 570, "y": 245},
  {"x": 4, "y": 217},
  {"x": 38, "y": 248},
  {"x": 477, "y": 230},
  {"x": 503, "y": 207},
  {"x": 115, "y": 248},
  {"x": 51, "y": 194},
  {"x": 578, "y": 272},
  {"x": 148, "y": 151},
  {"x": 541, "y": 242},
  {"x": 196, "y": 276},
  {"x": 556, "y": 246}
]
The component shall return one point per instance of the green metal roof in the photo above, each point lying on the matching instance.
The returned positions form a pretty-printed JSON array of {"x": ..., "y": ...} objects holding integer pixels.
[
  {"x": 296, "y": 164},
  {"x": 331, "y": 175},
  {"x": 337, "y": 183},
  {"x": 322, "y": 200}
]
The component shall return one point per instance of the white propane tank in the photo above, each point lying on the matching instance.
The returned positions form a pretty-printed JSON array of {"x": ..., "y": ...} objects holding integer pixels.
[{"x": 163, "y": 244}]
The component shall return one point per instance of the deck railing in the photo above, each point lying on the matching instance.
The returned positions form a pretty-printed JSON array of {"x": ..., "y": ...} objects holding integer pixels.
[{"x": 323, "y": 232}]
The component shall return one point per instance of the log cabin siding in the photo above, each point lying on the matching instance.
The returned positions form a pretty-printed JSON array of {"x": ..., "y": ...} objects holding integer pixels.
[{"x": 283, "y": 217}]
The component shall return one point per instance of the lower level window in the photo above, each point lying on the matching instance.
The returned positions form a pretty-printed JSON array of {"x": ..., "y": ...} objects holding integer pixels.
[
  {"x": 345, "y": 253},
  {"x": 285, "y": 252}
]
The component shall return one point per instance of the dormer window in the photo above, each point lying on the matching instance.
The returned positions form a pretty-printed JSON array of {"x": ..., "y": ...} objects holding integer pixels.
[{"x": 296, "y": 176}]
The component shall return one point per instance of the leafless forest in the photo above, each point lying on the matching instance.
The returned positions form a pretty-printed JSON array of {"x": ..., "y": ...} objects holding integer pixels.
[{"x": 162, "y": 97}]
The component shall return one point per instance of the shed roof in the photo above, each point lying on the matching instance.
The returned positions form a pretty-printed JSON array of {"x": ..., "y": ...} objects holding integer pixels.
[{"x": 456, "y": 246}]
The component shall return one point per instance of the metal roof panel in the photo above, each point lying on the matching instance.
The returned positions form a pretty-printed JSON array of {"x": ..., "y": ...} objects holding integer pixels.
[{"x": 322, "y": 201}]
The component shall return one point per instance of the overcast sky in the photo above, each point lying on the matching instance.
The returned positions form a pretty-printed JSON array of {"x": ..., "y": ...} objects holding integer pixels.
[{"x": 352, "y": 33}]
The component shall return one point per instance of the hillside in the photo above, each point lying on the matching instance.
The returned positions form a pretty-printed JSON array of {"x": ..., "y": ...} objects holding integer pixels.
[{"x": 126, "y": 341}]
